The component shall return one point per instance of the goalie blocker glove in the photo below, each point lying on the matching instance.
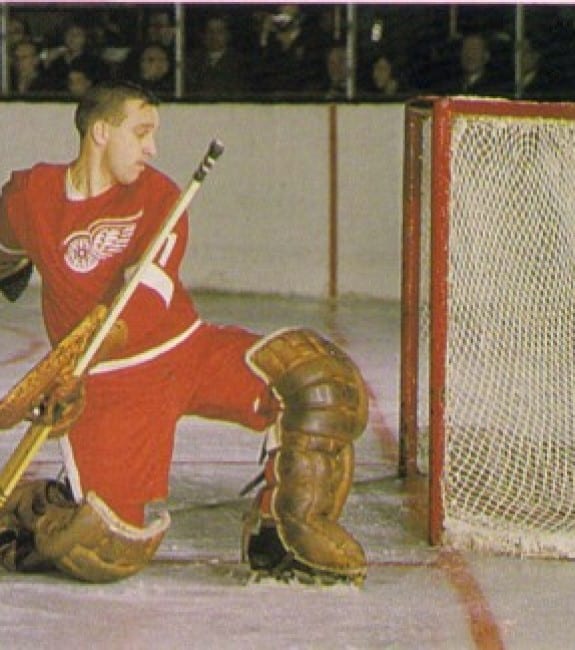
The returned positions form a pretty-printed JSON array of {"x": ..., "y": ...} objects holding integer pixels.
[{"x": 15, "y": 277}]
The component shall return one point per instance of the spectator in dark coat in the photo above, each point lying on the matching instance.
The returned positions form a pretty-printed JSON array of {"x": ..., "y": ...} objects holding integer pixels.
[
  {"x": 216, "y": 69},
  {"x": 75, "y": 50},
  {"x": 27, "y": 75},
  {"x": 155, "y": 71},
  {"x": 474, "y": 75}
]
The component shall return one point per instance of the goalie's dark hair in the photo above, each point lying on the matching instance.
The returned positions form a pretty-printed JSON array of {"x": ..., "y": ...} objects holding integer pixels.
[{"x": 106, "y": 101}]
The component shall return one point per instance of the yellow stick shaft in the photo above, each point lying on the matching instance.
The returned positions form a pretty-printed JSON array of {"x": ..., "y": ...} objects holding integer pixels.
[
  {"x": 35, "y": 436},
  {"x": 20, "y": 459},
  {"x": 184, "y": 200}
]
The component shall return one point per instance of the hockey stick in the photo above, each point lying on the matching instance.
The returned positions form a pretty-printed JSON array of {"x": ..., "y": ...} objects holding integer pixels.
[
  {"x": 38, "y": 433},
  {"x": 215, "y": 150}
]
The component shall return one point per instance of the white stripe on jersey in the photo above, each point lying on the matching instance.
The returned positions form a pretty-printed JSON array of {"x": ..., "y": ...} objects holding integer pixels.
[
  {"x": 147, "y": 355},
  {"x": 159, "y": 281}
]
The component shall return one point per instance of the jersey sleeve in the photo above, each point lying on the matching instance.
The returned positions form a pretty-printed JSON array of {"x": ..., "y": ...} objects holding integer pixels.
[{"x": 14, "y": 216}]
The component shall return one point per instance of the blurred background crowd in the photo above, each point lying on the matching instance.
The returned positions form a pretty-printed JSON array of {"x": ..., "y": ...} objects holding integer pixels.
[{"x": 299, "y": 52}]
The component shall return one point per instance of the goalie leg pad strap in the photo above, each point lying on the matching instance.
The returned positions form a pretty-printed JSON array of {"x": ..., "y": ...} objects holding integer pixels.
[
  {"x": 310, "y": 474},
  {"x": 87, "y": 541}
]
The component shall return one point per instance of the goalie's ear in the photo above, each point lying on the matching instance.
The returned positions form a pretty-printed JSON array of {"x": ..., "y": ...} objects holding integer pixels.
[
  {"x": 99, "y": 132},
  {"x": 15, "y": 277}
]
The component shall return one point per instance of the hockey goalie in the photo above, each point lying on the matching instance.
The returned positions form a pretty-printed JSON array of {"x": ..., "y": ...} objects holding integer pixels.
[{"x": 86, "y": 227}]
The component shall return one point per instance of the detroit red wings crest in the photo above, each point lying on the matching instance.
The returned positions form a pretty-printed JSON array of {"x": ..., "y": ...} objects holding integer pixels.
[{"x": 85, "y": 249}]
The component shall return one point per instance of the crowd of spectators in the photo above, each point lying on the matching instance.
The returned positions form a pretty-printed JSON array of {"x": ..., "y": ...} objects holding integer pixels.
[{"x": 278, "y": 51}]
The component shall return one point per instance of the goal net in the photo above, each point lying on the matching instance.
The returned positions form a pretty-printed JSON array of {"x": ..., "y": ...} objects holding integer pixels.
[{"x": 488, "y": 331}]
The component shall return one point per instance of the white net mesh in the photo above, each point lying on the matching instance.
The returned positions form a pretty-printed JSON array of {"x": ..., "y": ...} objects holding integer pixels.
[{"x": 509, "y": 476}]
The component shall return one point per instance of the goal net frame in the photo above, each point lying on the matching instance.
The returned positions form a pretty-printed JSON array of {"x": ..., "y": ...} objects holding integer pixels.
[{"x": 429, "y": 176}]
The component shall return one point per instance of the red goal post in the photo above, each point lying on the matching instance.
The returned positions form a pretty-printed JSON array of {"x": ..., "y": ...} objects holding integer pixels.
[{"x": 488, "y": 321}]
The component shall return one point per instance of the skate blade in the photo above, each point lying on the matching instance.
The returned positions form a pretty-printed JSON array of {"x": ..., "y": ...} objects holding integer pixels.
[{"x": 295, "y": 576}]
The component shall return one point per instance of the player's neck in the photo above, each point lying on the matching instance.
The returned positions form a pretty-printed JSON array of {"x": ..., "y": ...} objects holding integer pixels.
[{"x": 86, "y": 177}]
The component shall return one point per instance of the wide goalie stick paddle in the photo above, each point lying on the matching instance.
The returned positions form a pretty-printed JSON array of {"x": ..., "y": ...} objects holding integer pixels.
[{"x": 37, "y": 433}]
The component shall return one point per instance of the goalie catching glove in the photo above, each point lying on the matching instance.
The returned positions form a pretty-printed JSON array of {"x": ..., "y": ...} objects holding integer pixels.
[{"x": 42, "y": 528}]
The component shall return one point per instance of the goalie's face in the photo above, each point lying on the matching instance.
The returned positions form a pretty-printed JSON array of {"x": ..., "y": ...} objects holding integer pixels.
[{"x": 130, "y": 144}]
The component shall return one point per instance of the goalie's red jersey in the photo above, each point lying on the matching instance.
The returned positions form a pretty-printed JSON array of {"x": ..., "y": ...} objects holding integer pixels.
[
  {"x": 174, "y": 364},
  {"x": 83, "y": 249}
]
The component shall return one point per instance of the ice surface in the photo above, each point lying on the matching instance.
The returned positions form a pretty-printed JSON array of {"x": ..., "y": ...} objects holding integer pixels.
[{"x": 197, "y": 593}]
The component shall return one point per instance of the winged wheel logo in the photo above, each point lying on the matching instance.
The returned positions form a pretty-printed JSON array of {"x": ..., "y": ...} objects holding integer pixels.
[{"x": 85, "y": 249}]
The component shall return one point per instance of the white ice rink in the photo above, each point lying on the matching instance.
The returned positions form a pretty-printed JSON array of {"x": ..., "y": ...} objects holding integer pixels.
[{"x": 197, "y": 593}]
